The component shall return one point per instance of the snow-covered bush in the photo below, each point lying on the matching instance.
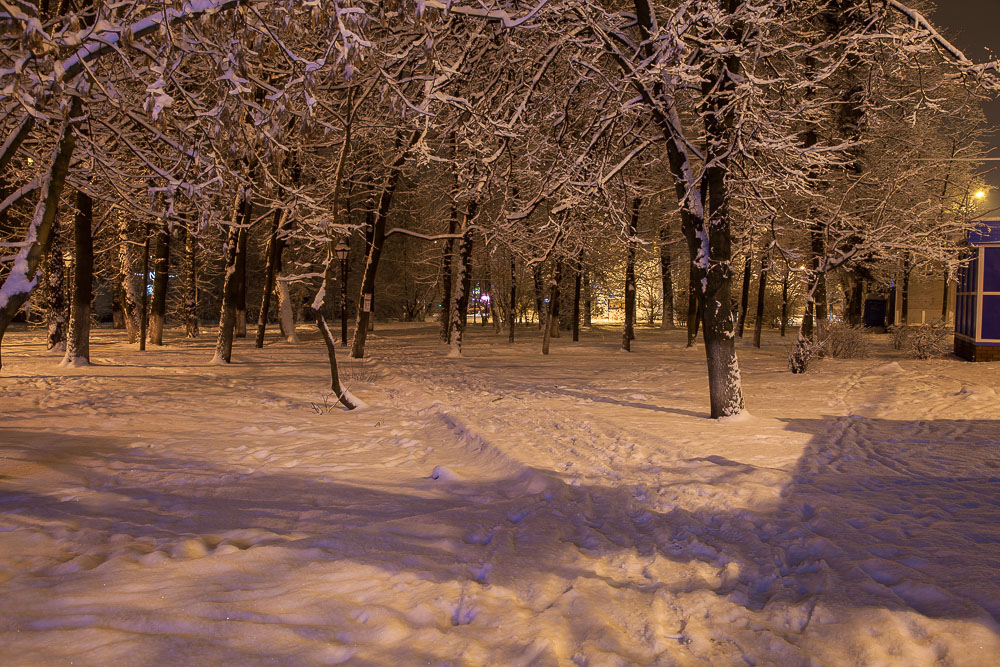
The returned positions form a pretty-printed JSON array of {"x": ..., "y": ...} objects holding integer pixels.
[
  {"x": 844, "y": 341},
  {"x": 802, "y": 353},
  {"x": 924, "y": 341},
  {"x": 899, "y": 334}
]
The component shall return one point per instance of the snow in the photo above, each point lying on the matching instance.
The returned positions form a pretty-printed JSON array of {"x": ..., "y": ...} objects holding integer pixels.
[{"x": 503, "y": 508}]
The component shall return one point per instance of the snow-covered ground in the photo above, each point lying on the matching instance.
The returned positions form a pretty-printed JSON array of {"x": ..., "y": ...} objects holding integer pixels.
[{"x": 503, "y": 508}]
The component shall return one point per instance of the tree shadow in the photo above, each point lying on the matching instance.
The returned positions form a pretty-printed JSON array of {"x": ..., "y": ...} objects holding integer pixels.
[{"x": 897, "y": 515}]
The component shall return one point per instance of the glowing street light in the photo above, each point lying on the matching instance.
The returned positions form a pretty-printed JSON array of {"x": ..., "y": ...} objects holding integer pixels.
[{"x": 980, "y": 194}]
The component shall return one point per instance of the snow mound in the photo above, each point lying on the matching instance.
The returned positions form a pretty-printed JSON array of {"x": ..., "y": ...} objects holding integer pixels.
[
  {"x": 890, "y": 368},
  {"x": 445, "y": 474},
  {"x": 977, "y": 392}
]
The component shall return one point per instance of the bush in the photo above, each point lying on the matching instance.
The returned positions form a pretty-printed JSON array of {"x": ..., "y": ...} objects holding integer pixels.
[
  {"x": 899, "y": 334},
  {"x": 924, "y": 341},
  {"x": 842, "y": 341},
  {"x": 802, "y": 353}
]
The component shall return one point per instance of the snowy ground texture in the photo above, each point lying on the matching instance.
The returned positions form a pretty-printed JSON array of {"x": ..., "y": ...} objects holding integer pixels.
[{"x": 503, "y": 508}]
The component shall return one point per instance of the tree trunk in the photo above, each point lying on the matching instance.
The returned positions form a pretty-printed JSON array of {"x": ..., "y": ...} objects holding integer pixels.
[
  {"x": 587, "y": 302},
  {"x": 904, "y": 315},
  {"x": 127, "y": 288},
  {"x": 20, "y": 281},
  {"x": 348, "y": 399},
  {"x": 577, "y": 288},
  {"x": 144, "y": 311},
  {"x": 550, "y": 316},
  {"x": 286, "y": 314},
  {"x": 78, "y": 338},
  {"x": 55, "y": 288},
  {"x": 745, "y": 293},
  {"x": 274, "y": 248},
  {"x": 463, "y": 281},
  {"x": 449, "y": 247},
  {"x": 666, "y": 280},
  {"x": 628, "y": 333},
  {"x": 161, "y": 278},
  {"x": 230, "y": 286},
  {"x": 784, "y": 300},
  {"x": 512, "y": 311},
  {"x": 536, "y": 279},
  {"x": 855, "y": 310},
  {"x": 944, "y": 295},
  {"x": 695, "y": 305},
  {"x": 240, "y": 328},
  {"x": 365, "y": 303},
  {"x": 758, "y": 323},
  {"x": 191, "y": 284}
]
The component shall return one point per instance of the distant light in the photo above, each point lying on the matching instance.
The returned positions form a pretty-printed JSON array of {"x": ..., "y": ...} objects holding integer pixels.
[
  {"x": 485, "y": 298},
  {"x": 980, "y": 194},
  {"x": 31, "y": 161}
]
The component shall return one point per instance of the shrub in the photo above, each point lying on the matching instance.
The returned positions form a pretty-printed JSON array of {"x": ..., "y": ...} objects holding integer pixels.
[
  {"x": 842, "y": 341},
  {"x": 802, "y": 353},
  {"x": 899, "y": 334},
  {"x": 924, "y": 341}
]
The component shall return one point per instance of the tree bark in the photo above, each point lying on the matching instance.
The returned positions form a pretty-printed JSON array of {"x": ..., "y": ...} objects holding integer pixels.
[
  {"x": 190, "y": 284},
  {"x": 449, "y": 247},
  {"x": 240, "y": 328},
  {"x": 758, "y": 323},
  {"x": 551, "y": 319},
  {"x": 694, "y": 310},
  {"x": 21, "y": 279},
  {"x": 784, "y": 300},
  {"x": 55, "y": 286},
  {"x": 745, "y": 293},
  {"x": 275, "y": 245},
  {"x": 230, "y": 287},
  {"x": 577, "y": 288},
  {"x": 144, "y": 310},
  {"x": 161, "y": 278},
  {"x": 463, "y": 281},
  {"x": 587, "y": 305},
  {"x": 666, "y": 279},
  {"x": 78, "y": 337},
  {"x": 512, "y": 311},
  {"x": 366, "y": 302},
  {"x": 536, "y": 279},
  {"x": 628, "y": 333},
  {"x": 345, "y": 397}
]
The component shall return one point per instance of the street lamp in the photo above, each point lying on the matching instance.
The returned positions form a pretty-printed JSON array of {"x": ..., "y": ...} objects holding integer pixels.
[
  {"x": 980, "y": 194},
  {"x": 342, "y": 250}
]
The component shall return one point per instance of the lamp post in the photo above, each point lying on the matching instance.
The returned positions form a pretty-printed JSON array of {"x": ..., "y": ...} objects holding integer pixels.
[{"x": 342, "y": 250}]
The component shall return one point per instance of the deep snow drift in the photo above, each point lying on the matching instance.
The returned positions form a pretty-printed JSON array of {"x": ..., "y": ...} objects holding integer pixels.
[{"x": 502, "y": 508}]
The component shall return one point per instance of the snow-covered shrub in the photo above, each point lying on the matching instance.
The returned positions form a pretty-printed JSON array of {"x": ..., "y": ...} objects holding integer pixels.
[
  {"x": 844, "y": 341},
  {"x": 802, "y": 353},
  {"x": 899, "y": 334},
  {"x": 923, "y": 341}
]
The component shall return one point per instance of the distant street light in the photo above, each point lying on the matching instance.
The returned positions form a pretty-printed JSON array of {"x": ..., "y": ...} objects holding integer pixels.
[
  {"x": 980, "y": 194},
  {"x": 342, "y": 250}
]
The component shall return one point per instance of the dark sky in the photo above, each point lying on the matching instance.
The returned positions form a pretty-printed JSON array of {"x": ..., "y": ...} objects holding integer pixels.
[{"x": 974, "y": 27}]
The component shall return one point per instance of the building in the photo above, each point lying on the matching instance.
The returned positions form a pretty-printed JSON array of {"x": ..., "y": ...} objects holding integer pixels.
[{"x": 977, "y": 311}]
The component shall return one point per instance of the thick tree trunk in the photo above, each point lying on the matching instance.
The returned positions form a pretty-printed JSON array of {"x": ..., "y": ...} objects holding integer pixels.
[
  {"x": 161, "y": 278},
  {"x": 230, "y": 287},
  {"x": 758, "y": 323},
  {"x": 78, "y": 338},
  {"x": 190, "y": 308},
  {"x": 463, "y": 283},
  {"x": 628, "y": 333},
  {"x": 55, "y": 287},
  {"x": 20, "y": 281},
  {"x": 855, "y": 302},
  {"x": 240, "y": 328},
  {"x": 274, "y": 248},
  {"x": 666, "y": 280}
]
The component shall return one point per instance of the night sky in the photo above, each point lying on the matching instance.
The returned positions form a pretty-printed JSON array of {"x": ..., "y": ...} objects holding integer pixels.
[{"x": 974, "y": 27}]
